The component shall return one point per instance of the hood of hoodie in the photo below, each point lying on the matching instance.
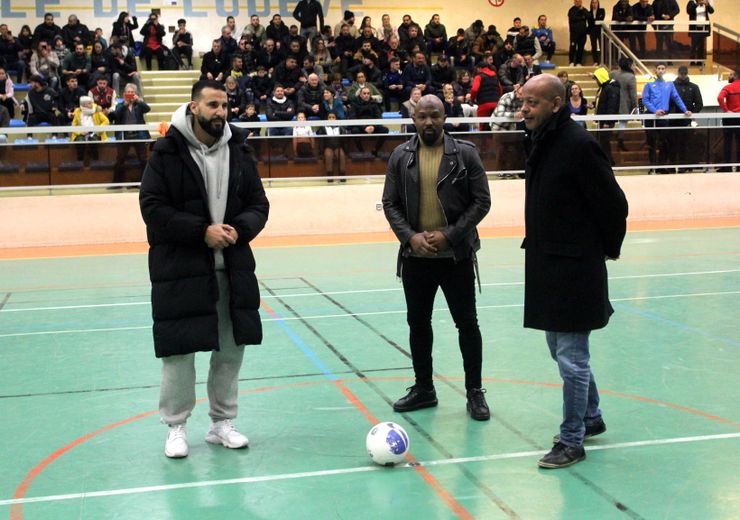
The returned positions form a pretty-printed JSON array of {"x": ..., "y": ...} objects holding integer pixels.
[
  {"x": 602, "y": 75},
  {"x": 213, "y": 163}
]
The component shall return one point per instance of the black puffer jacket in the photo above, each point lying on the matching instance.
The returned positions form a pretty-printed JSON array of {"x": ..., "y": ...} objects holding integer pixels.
[
  {"x": 174, "y": 204},
  {"x": 462, "y": 189}
]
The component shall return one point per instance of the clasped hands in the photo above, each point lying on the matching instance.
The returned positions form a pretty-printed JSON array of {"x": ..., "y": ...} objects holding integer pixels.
[{"x": 428, "y": 243}]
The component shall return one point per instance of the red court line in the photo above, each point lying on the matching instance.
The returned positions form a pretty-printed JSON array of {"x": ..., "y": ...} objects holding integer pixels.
[{"x": 16, "y": 511}]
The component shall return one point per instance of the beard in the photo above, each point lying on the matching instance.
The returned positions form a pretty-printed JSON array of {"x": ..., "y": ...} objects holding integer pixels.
[
  {"x": 213, "y": 127},
  {"x": 429, "y": 136}
]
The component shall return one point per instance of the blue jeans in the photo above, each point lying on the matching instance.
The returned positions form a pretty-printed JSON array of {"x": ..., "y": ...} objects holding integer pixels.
[{"x": 580, "y": 395}]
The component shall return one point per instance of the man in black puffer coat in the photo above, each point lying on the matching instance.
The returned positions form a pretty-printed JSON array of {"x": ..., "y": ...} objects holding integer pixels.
[{"x": 203, "y": 202}]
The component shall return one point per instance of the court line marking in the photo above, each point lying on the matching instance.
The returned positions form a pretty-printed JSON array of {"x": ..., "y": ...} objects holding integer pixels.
[
  {"x": 360, "y": 291},
  {"x": 371, "y": 313},
  {"x": 347, "y": 471}
]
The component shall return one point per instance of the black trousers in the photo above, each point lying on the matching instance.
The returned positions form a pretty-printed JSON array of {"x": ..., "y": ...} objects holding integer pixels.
[
  {"x": 577, "y": 45},
  {"x": 421, "y": 278},
  {"x": 731, "y": 132}
]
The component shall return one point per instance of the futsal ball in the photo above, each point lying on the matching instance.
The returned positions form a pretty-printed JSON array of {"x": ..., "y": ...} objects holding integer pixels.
[{"x": 387, "y": 443}]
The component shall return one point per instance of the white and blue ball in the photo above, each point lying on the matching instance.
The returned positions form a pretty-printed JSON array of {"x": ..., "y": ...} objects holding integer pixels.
[{"x": 387, "y": 443}]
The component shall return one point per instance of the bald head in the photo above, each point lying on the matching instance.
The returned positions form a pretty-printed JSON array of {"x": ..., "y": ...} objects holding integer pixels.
[
  {"x": 429, "y": 119},
  {"x": 547, "y": 85},
  {"x": 542, "y": 97},
  {"x": 431, "y": 101}
]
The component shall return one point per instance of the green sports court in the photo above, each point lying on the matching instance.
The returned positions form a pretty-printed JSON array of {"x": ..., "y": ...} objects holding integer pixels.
[{"x": 79, "y": 392}]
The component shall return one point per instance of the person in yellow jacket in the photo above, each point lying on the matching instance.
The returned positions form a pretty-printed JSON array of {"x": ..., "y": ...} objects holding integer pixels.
[{"x": 88, "y": 114}]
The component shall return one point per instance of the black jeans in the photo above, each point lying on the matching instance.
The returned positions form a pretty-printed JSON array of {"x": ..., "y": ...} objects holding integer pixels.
[{"x": 421, "y": 279}]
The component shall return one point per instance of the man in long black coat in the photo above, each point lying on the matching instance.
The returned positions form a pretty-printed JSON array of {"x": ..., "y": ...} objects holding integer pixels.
[
  {"x": 203, "y": 202},
  {"x": 575, "y": 215}
]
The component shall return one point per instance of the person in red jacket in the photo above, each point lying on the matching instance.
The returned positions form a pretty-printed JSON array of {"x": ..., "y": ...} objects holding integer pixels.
[
  {"x": 729, "y": 101},
  {"x": 487, "y": 89}
]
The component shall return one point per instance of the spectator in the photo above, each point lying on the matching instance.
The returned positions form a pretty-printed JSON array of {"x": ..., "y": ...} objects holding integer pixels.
[
  {"x": 386, "y": 30},
  {"x": 367, "y": 36},
  {"x": 60, "y": 49},
  {"x": 513, "y": 73},
  {"x": 123, "y": 29},
  {"x": 360, "y": 83},
  {"x": 690, "y": 94},
  {"x": 625, "y": 76},
  {"x": 311, "y": 17},
  {"x": 99, "y": 63},
  {"x": 363, "y": 107},
  {"x": 657, "y": 96},
  {"x": 442, "y": 73},
  {"x": 729, "y": 102},
  {"x": 664, "y": 10},
  {"x": 44, "y": 63},
  {"x": 269, "y": 56},
  {"x": 104, "y": 96},
  {"x": 78, "y": 64},
  {"x": 513, "y": 31},
  {"x": 25, "y": 39},
  {"x": 288, "y": 75},
  {"x": 578, "y": 30},
  {"x": 532, "y": 69},
  {"x": 88, "y": 114},
  {"x": 415, "y": 41},
  {"x": 4, "y": 123},
  {"x": 69, "y": 99},
  {"x": 435, "y": 34},
  {"x": 280, "y": 108},
  {"x": 607, "y": 102},
  {"x": 453, "y": 109},
  {"x": 338, "y": 88},
  {"x": 368, "y": 22},
  {"x": 418, "y": 75},
  {"x": 403, "y": 29},
  {"x": 46, "y": 31},
  {"x": 237, "y": 101},
  {"x": 510, "y": 153},
  {"x": 40, "y": 105},
  {"x": 487, "y": 89},
  {"x": 229, "y": 45},
  {"x": 699, "y": 11},
  {"x": 75, "y": 32},
  {"x": 153, "y": 32},
  {"x": 576, "y": 105},
  {"x": 130, "y": 112},
  {"x": 545, "y": 37},
  {"x": 11, "y": 52},
  {"x": 473, "y": 32},
  {"x": 459, "y": 50},
  {"x": 642, "y": 13},
  {"x": 393, "y": 50},
  {"x": 349, "y": 21},
  {"x": 504, "y": 54},
  {"x": 7, "y": 92},
  {"x": 465, "y": 85},
  {"x": 262, "y": 86},
  {"x": 320, "y": 54},
  {"x": 250, "y": 115},
  {"x": 332, "y": 105},
  {"x": 622, "y": 15},
  {"x": 277, "y": 32},
  {"x": 214, "y": 63},
  {"x": 525, "y": 43},
  {"x": 295, "y": 51},
  {"x": 248, "y": 53},
  {"x": 123, "y": 68},
  {"x": 563, "y": 77},
  {"x": 408, "y": 107},
  {"x": 344, "y": 49},
  {"x": 595, "y": 14},
  {"x": 303, "y": 142},
  {"x": 256, "y": 29},
  {"x": 333, "y": 148},
  {"x": 182, "y": 44},
  {"x": 98, "y": 37},
  {"x": 311, "y": 97}
]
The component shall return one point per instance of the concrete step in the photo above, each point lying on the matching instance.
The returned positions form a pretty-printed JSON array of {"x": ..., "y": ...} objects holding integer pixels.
[
  {"x": 168, "y": 73},
  {"x": 159, "y": 97},
  {"x": 158, "y": 117},
  {"x": 152, "y": 81},
  {"x": 165, "y": 107}
]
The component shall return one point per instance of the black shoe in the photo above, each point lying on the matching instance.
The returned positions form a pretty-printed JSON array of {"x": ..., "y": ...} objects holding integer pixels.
[
  {"x": 477, "y": 405},
  {"x": 562, "y": 456},
  {"x": 592, "y": 430},
  {"x": 417, "y": 398}
]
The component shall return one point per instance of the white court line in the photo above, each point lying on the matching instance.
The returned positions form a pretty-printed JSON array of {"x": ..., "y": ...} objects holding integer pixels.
[
  {"x": 358, "y": 291},
  {"x": 358, "y": 314},
  {"x": 347, "y": 471}
]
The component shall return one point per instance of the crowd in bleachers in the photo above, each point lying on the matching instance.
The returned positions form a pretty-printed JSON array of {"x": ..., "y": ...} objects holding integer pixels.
[{"x": 351, "y": 70}]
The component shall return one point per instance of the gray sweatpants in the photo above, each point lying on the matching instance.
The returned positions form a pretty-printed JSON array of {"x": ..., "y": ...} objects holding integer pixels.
[{"x": 177, "y": 391}]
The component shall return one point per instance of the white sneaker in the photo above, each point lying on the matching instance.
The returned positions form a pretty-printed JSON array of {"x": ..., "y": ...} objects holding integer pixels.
[
  {"x": 571, "y": 64},
  {"x": 176, "y": 446},
  {"x": 224, "y": 433}
]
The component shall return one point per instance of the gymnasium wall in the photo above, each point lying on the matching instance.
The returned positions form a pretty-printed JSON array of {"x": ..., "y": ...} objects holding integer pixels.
[
  {"x": 205, "y": 18},
  {"x": 344, "y": 209}
]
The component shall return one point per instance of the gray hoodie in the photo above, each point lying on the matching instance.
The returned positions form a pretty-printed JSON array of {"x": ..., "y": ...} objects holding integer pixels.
[{"x": 213, "y": 163}]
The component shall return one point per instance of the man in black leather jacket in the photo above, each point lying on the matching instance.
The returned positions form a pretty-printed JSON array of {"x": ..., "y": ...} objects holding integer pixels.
[{"x": 436, "y": 192}]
